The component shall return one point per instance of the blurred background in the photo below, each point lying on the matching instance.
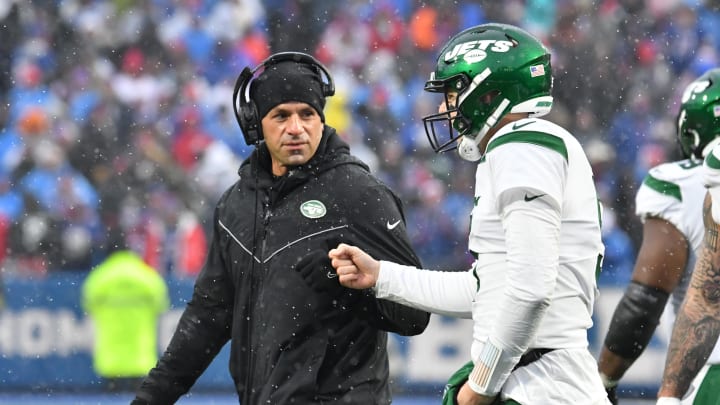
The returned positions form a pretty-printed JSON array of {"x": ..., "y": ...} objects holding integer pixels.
[{"x": 117, "y": 115}]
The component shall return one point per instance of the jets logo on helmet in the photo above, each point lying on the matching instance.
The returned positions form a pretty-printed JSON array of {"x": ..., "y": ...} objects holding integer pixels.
[
  {"x": 493, "y": 69},
  {"x": 698, "y": 86},
  {"x": 471, "y": 49},
  {"x": 474, "y": 56},
  {"x": 699, "y": 116}
]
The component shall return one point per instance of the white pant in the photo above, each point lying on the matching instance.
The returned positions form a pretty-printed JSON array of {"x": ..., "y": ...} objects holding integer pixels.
[{"x": 563, "y": 376}]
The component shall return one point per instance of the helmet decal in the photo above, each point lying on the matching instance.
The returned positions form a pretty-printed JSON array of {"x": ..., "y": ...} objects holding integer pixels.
[
  {"x": 698, "y": 121},
  {"x": 475, "y": 56},
  {"x": 537, "y": 70},
  {"x": 466, "y": 49},
  {"x": 697, "y": 86}
]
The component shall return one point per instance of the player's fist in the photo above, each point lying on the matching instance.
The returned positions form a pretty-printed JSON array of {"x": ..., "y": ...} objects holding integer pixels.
[{"x": 355, "y": 268}]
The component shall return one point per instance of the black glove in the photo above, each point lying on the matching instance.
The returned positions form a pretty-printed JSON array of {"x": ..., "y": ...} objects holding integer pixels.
[
  {"x": 612, "y": 394},
  {"x": 318, "y": 273}
]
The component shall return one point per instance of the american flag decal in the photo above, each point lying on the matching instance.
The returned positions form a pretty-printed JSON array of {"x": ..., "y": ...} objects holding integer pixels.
[{"x": 537, "y": 70}]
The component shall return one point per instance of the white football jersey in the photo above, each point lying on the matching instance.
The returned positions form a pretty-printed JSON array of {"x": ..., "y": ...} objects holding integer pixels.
[
  {"x": 674, "y": 192},
  {"x": 564, "y": 179}
]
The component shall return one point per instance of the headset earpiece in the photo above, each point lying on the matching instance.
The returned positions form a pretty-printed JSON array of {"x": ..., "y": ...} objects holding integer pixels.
[
  {"x": 245, "y": 109},
  {"x": 328, "y": 89},
  {"x": 253, "y": 128}
]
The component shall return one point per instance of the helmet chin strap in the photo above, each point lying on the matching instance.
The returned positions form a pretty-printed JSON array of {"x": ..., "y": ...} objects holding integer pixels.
[{"x": 469, "y": 146}]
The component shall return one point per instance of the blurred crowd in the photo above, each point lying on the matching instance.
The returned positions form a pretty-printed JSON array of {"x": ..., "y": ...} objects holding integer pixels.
[{"x": 117, "y": 114}]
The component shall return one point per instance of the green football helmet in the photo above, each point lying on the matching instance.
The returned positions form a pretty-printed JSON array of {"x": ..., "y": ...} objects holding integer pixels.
[
  {"x": 495, "y": 69},
  {"x": 699, "y": 116}
]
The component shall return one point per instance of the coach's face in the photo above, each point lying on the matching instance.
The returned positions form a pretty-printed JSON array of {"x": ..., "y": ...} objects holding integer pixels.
[{"x": 292, "y": 133}]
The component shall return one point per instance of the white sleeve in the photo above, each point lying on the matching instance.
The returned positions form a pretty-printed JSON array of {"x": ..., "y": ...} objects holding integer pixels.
[
  {"x": 441, "y": 292},
  {"x": 533, "y": 259}
]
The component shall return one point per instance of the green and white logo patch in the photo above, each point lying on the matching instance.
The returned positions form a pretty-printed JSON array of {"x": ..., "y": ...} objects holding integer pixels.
[{"x": 313, "y": 209}]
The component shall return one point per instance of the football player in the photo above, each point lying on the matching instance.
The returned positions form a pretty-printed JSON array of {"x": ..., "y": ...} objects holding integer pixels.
[
  {"x": 535, "y": 229},
  {"x": 669, "y": 202},
  {"x": 695, "y": 332}
]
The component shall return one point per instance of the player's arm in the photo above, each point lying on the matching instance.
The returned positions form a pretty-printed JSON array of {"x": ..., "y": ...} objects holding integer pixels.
[
  {"x": 449, "y": 293},
  {"x": 697, "y": 326},
  {"x": 659, "y": 266},
  {"x": 441, "y": 292}
]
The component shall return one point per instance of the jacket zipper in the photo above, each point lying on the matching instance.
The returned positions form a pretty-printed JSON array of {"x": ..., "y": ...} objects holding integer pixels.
[{"x": 256, "y": 283}]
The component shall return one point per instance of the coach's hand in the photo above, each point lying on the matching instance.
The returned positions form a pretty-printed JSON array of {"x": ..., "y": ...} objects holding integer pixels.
[{"x": 318, "y": 273}]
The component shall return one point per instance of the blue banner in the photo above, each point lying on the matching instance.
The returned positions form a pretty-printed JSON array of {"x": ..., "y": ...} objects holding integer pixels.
[{"x": 46, "y": 342}]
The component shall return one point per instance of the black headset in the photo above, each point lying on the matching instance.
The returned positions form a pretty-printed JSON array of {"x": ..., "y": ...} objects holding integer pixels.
[{"x": 245, "y": 109}]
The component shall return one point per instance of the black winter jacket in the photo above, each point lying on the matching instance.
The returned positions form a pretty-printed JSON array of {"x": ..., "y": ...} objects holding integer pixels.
[{"x": 289, "y": 344}]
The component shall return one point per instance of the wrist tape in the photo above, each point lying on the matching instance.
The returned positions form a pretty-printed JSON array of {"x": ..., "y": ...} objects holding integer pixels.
[{"x": 492, "y": 368}]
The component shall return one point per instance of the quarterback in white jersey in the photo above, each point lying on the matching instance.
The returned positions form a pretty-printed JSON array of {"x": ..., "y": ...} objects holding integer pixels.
[{"x": 535, "y": 230}]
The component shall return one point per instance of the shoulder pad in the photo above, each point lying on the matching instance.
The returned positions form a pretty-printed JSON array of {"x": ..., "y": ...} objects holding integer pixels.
[{"x": 539, "y": 138}]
